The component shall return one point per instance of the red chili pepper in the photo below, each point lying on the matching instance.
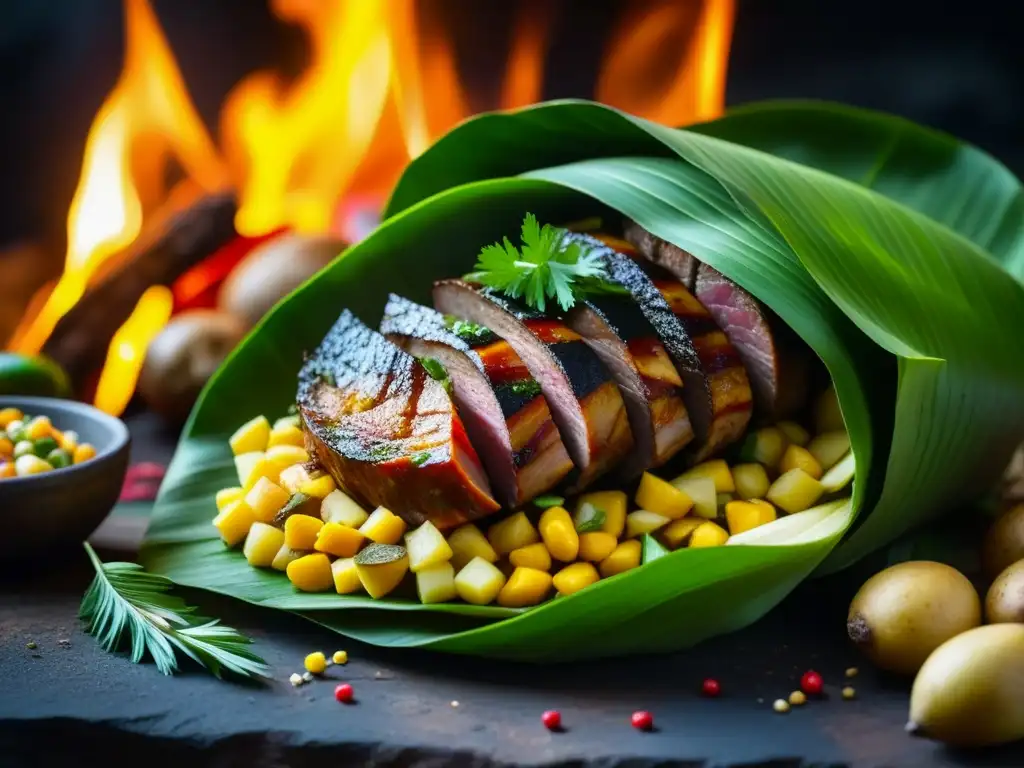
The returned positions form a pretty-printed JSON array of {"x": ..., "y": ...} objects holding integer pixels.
[
  {"x": 811, "y": 683},
  {"x": 344, "y": 693},
  {"x": 642, "y": 720},
  {"x": 552, "y": 719},
  {"x": 711, "y": 687}
]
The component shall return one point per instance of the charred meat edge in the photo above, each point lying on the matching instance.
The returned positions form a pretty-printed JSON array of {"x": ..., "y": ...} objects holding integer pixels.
[{"x": 669, "y": 257}]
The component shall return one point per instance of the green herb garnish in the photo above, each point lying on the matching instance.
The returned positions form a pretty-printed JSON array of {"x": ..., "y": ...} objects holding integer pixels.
[
  {"x": 437, "y": 371},
  {"x": 467, "y": 331},
  {"x": 548, "y": 501},
  {"x": 125, "y": 599},
  {"x": 590, "y": 518},
  {"x": 524, "y": 388},
  {"x": 421, "y": 458}
]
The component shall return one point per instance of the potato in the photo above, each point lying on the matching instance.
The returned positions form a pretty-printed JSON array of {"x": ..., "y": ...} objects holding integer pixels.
[
  {"x": 514, "y": 532},
  {"x": 427, "y": 547},
  {"x": 751, "y": 481},
  {"x": 830, "y": 447},
  {"x": 744, "y": 515},
  {"x": 436, "y": 584},
  {"x": 717, "y": 470},
  {"x": 479, "y": 582},
  {"x": 346, "y": 577},
  {"x": 467, "y": 542},
  {"x": 795, "y": 491},
  {"x": 703, "y": 493},
  {"x": 642, "y": 521},
  {"x": 262, "y": 544},
  {"x": 251, "y": 437},
  {"x": 796, "y": 457},
  {"x": 339, "y": 508},
  {"x": 383, "y": 526}
]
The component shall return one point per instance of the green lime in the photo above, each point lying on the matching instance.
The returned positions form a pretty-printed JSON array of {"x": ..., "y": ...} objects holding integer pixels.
[{"x": 37, "y": 376}]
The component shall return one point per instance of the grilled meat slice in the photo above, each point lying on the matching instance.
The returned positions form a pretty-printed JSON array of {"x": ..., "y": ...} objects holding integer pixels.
[
  {"x": 387, "y": 432},
  {"x": 585, "y": 402},
  {"x": 663, "y": 253},
  {"x": 505, "y": 413}
]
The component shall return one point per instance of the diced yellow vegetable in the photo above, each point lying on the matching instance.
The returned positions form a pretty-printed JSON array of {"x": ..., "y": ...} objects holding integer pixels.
[
  {"x": 339, "y": 508},
  {"x": 246, "y": 465},
  {"x": 642, "y": 521},
  {"x": 625, "y": 557},
  {"x": 768, "y": 508},
  {"x": 708, "y": 534},
  {"x": 83, "y": 452},
  {"x": 383, "y": 526},
  {"x": 6, "y": 446},
  {"x": 315, "y": 663},
  {"x": 796, "y": 457},
  {"x": 678, "y": 532},
  {"x": 795, "y": 491},
  {"x": 526, "y": 586},
  {"x": 381, "y": 568},
  {"x": 266, "y": 499},
  {"x": 744, "y": 515},
  {"x": 319, "y": 488},
  {"x": 338, "y": 540},
  {"x": 840, "y": 475},
  {"x": 765, "y": 446},
  {"x": 828, "y": 417},
  {"x": 575, "y": 577},
  {"x": 559, "y": 534},
  {"x": 595, "y": 546},
  {"x": 31, "y": 465},
  {"x": 234, "y": 522},
  {"x": 717, "y": 470},
  {"x": 68, "y": 440},
  {"x": 468, "y": 542},
  {"x": 702, "y": 491},
  {"x": 612, "y": 503},
  {"x": 294, "y": 477},
  {"x": 286, "y": 434},
  {"x": 300, "y": 531},
  {"x": 829, "y": 448},
  {"x": 38, "y": 428},
  {"x": 427, "y": 547},
  {"x": 751, "y": 481},
  {"x": 514, "y": 532},
  {"x": 226, "y": 495},
  {"x": 346, "y": 577},
  {"x": 7, "y": 415},
  {"x": 311, "y": 573},
  {"x": 7, "y": 470},
  {"x": 479, "y": 582},
  {"x": 436, "y": 584},
  {"x": 660, "y": 496},
  {"x": 251, "y": 437},
  {"x": 794, "y": 432},
  {"x": 284, "y": 556},
  {"x": 531, "y": 556},
  {"x": 262, "y": 544},
  {"x": 283, "y": 456}
]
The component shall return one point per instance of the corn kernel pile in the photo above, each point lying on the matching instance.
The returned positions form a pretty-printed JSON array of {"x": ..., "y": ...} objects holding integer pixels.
[
  {"x": 293, "y": 518},
  {"x": 32, "y": 445}
]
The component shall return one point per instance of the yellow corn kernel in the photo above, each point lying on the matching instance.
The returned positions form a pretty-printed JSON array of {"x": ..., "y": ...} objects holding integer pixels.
[
  {"x": 526, "y": 586},
  {"x": 262, "y": 544},
  {"x": 234, "y": 522},
  {"x": 514, "y": 532},
  {"x": 642, "y": 521},
  {"x": 30, "y": 464},
  {"x": 6, "y": 447},
  {"x": 796, "y": 457},
  {"x": 319, "y": 488},
  {"x": 294, "y": 477},
  {"x": 531, "y": 556},
  {"x": 285, "y": 434},
  {"x": 612, "y": 503},
  {"x": 744, "y": 515},
  {"x": 678, "y": 532},
  {"x": 662, "y": 498},
  {"x": 559, "y": 534},
  {"x": 708, "y": 534},
  {"x": 300, "y": 531},
  {"x": 383, "y": 526},
  {"x": 479, "y": 582},
  {"x": 575, "y": 577},
  {"x": 7, "y": 470},
  {"x": 38, "y": 428},
  {"x": 311, "y": 573},
  {"x": 84, "y": 452},
  {"x": 227, "y": 495},
  {"x": 338, "y": 540},
  {"x": 315, "y": 663},
  {"x": 340, "y": 657},
  {"x": 795, "y": 491},
  {"x": 266, "y": 499},
  {"x": 717, "y": 470},
  {"x": 7, "y": 415},
  {"x": 251, "y": 436},
  {"x": 595, "y": 546},
  {"x": 751, "y": 481},
  {"x": 346, "y": 577},
  {"x": 794, "y": 432},
  {"x": 468, "y": 542},
  {"x": 68, "y": 441},
  {"x": 625, "y": 557}
]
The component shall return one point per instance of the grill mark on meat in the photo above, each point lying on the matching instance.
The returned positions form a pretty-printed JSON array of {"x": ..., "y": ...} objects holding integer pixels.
[{"x": 680, "y": 263}]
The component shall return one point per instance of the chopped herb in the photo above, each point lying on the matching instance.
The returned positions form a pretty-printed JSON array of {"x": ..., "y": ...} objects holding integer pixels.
[
  {"x": 471, "y": 333},
  {"x": 421, "y": 458},
  {"x": 382, "y": 452},
  {"x": 524, "y": 388},
  {"x": 328, "y": 379},
  {"x": 548, "y": 501},
  {"x": 590, "y": 518},
  {"x": 293, "y": 409},
  {"x": 437, "y": 372}
]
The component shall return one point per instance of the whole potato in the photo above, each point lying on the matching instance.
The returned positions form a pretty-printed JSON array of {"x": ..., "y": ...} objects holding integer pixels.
[
  {"x": 1004, "y": 603},
  {"x": 1004, "y": 542}
]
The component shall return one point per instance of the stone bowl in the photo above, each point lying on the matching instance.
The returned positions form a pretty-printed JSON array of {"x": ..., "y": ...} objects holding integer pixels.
[{"x": 55, "y": 510}]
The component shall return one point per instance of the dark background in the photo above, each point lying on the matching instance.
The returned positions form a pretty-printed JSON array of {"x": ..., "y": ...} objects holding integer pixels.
[{"x": 958, "y": 68}]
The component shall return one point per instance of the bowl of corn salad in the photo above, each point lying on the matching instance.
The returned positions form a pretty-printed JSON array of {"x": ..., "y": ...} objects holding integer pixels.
[{"x": 62, "y": 465}]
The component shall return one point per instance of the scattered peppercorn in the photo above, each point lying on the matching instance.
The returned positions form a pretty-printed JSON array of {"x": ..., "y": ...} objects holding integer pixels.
[
  {"x": 852, "y": 672},
  {"x": 316, "y": 663},
  {"x": 295, "y": 679},
  {"x": 344, "y": 693},
  {"x": 811, "y": 683},
  {"x": 711, "y": 687},
  {"x": 781, "y": 706},
  {"x": 849, "y": 693},
  {"x": 797, "y": 698},
  {"x": 552, "y": 719},
  {"x": 340, "y": 657},
  {"x": 642, "y": 720}
]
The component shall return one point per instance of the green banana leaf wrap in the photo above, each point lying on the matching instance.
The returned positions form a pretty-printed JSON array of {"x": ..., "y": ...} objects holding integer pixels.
[{"x": 894, "y": 251}]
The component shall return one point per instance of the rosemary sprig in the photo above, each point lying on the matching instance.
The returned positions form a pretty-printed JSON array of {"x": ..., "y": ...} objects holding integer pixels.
[{"x": 125, "y": 600}]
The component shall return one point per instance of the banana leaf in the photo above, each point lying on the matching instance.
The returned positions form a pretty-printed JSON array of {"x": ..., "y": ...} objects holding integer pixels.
[{"x": 913, "y": 316}]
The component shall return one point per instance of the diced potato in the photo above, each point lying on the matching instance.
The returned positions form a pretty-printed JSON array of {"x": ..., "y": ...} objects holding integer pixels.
[
  {"x": 751, "y": 481},
  {"x": 828, "y": 417},
  {"x": 708, "y": 534},
  {"x": 468, "y": 542},
  {"x": 266, "y": 499},
  {"x": 515, "y": 531},
  {"x": 234, "y": 522},
  {"x": 339, "y": 508},
  {"x": 294, "y": 477},
  {"x": 840, "y": 475},
  {"x": 31, "y": 465},
  {"x": 796, "y": 457},
  {"x": 526, "y": 586},
  {"x": 318, "y": 488},
  {"x": 575, "y": 577},
  {"x": 744, "y": 515},
  {"x": 263, "y": 468},
  {"x": 288, "y": 421},
  {"x": 246, "y": 465},
  {"x": 531, "y": 556},
  {"x": 795, "y": 491},
  {"x": 794, "y": 432},
  {"x": 284, "y": 556},
  {"x": 346, "y": 577},
  {"x": 381, "y": 568},
  {"x": 311, "y": 573},
  {"x": 829, "y": 448},
  {"x": 660, "y": 496},
  {"x": 286, "y": 434},
  {"x": 338, "y": 540},
  {"x": 479, "y": 582},
  {"x": 765, "y": 446},
  {"x": 262, "y": 544},
  {"x": 612, "y": 503},
  {"x": 300, "y": 531},
  {"x": 678, "y": 532},
  {"x": 717, "y": 470},
  {"x": 383, "y": 526},
  {"x": 642, "y": 521},
  {"x": 227, "y": 495},
  {"x": 436, "y": 584},
  {"x": 251, "y": 437},
  {"x": 283, "y": 456},
  {"x": 596, "y": 546},
  {"x": 625, "y": 557},
  {"x": 702, "y": 491},
  {"x": 558, "y": 532},
  {"x": 427, "y": 547}
]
